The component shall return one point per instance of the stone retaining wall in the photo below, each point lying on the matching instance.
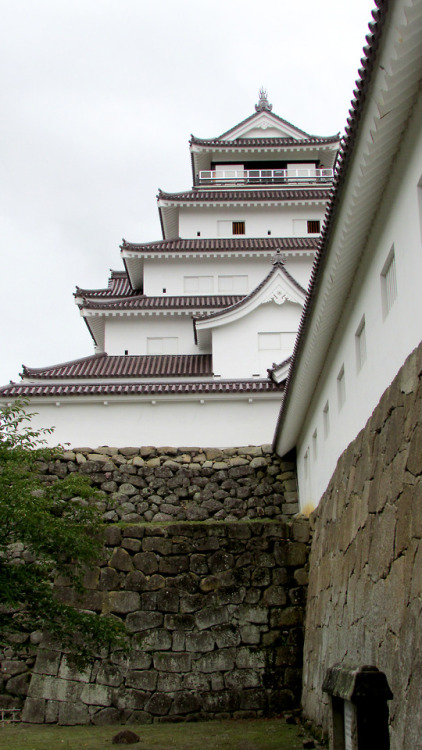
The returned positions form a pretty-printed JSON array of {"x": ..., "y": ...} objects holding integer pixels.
[
  {"x": 215, "y": 612},
  {"x": 184, "y": 484},
  {"x": 365, "y": 588}
]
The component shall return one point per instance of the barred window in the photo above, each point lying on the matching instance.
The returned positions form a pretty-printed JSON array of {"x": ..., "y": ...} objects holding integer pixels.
[
  {"x": 314, "y": 227},
  {"x": 238, "y": 227}
]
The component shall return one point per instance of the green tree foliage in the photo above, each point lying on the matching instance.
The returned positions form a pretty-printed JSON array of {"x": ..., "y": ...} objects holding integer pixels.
[{"x": 46, "y": 531}]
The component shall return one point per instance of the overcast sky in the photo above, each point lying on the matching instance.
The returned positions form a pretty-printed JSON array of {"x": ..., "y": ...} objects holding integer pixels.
[{"x": 98, "y": 101}]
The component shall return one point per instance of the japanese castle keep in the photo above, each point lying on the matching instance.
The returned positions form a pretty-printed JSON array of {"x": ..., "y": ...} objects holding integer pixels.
[{"x": 193, "y": 338}]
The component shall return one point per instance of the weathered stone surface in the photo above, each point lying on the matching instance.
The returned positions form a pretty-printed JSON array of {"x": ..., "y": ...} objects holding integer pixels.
[
  {"x": 192, "y": 632},
  {"x": 172, "y": 662},
  {"x": 365, "y": 586},
  {"x": 121, "y": 560},
  {"x": 71, "y": 714},
  {"x": 145, "y": 680},
  {"x": 137, "y": 621}
]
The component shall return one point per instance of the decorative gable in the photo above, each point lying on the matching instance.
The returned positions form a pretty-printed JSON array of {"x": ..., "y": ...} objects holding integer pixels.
[{"x": 277, "y": 288}]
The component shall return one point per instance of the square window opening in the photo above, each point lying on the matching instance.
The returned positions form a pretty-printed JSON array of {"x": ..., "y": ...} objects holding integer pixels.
[
  {"x": 238, "y": 227},
  {"x": 360, "y": 344},
  {"x": 388, "y": 283},
  {"x": 341, "y": 388},
  {"x": 314, "y": 227}
]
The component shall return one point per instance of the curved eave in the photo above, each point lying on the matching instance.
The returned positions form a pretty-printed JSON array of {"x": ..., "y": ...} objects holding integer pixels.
[
  {"x": 141, "y": 391},
  {"x": 384, "y": 99}
]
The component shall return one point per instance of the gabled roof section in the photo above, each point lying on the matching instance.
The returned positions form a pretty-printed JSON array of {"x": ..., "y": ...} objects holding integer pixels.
[
  {"x": 140, "y": 366},
  {"x": 263, "y": 120},
  {"x": 278, "y": 287}
]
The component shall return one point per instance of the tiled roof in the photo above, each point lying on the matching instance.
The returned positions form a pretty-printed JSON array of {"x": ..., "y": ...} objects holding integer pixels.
[
  {"x": 276, "y": 366},
  {"x": 219, "y": 245},
  {"x": 164, "y": 303},
  {"x": 245, "y": 196},
  {"x": 105, "y": 366},
  {"x": 264, "y": 142},
  {"x": 344, "y": 160},
  {"x": 27, "y": 390},
  {"x": 118, "y": 286}
]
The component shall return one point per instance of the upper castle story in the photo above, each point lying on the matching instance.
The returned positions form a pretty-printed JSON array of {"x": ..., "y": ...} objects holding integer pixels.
[
  {"x": 263, "y": 150},
  {"x": 263, "y": 177}
]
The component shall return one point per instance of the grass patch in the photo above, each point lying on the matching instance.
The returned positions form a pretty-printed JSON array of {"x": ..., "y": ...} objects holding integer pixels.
[{"x": 262, "y": 734}]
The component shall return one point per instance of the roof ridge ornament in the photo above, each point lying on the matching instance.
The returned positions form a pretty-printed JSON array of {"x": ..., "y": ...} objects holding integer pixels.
[
  {"x": 263, "y": 104},
  {"x": 278, "y": 259}
]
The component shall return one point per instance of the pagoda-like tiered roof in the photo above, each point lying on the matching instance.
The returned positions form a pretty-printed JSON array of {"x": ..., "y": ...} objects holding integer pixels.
[
  {"x": 125, "y": 366},
  {"x": 142, "y": 302},
  {"x": 259, "y": 143},
  {"x": 118, "y": 286},
  {"x": 170, "y": 388},
  {"x": 234, "y": 245},
  {"x": 260, "y": 195}
]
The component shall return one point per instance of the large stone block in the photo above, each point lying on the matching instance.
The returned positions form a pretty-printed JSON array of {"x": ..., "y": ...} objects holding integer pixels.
[
  {"x": 186, "y": 703},
  {"x": 34, "y": 711},
  {"x": 123, "y": 602},
  {"x": 138, "y": 621},
  {"x": 173, "y": 662},
  {"x": 218, "y": 661},
  {"x": 154, "y": 640},
  {"x": 159, "y": 704},
  {"x": 121, "y": 560},
  {"x": 71, "y": 714},
  {"x": 144, "y": 680},
  {"x": 209, "y": 616},
  {"x": 47, "y": 662},
  {"x": 200, "y": 642},
  {"x": 96, "y": 695},
  {"x": 146, "y": 562}
]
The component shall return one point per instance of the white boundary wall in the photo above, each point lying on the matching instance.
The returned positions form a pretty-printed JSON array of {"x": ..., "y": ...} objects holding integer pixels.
[
  {"x": 389, "y": 337},
  {"x": 221, "y": 423}
]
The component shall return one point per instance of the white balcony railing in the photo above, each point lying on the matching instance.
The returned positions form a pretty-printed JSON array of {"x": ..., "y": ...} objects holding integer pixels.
[{"x": 250, "y": 176}]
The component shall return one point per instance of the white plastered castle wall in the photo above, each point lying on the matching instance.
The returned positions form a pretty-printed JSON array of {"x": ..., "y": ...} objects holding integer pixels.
[
  {"x": 259, "y": 220},
  {"x": 133, "y": 334},
  {"x": 166, "y": 422},
  {"x": 238, "y": 351},
  {"x": 256, "y": 269},
  {"x": 389, "y": 337}
]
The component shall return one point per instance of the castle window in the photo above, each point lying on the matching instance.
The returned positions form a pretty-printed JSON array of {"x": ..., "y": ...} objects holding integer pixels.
[
  {"x": 360, "y": 344},
  {"x": 326, "y": 419},
  {"x": 388, "y": 283},
  {"x": 233, "y": 284},
  {"x": 314, "y": 227},
  {"x": 198, "y": 284},
  {"x": 163, "y": 345},
  {"x": 341, "y": 388},
  {"x": 315, "y": 445},
  {"x": 238, "y": 227},
  {"x": 306, "y": 464}
]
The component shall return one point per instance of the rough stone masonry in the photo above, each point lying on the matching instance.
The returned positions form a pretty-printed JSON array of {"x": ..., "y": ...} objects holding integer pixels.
[{"x": 214, "y": 603}]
